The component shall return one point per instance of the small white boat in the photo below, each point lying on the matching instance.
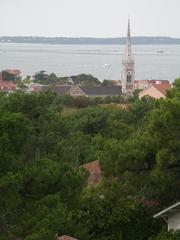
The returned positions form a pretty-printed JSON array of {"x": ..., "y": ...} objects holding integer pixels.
[
  {"x": 160, "y": 51},
  {"x": 107, "y": 65}
]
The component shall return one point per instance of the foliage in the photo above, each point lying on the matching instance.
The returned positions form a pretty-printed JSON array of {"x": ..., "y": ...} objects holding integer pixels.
[
  {"x": 86, "y": 80},
  {"x": 108, "y": 214},
  {"x": 49, "y": 79},
  {"x": 43, "y": 186},
  {"x": 175, "y": 91},
  {"x": 108, "y": 82},
  {"x": 82, "y": 102},
  {"x": 164, "y": 235},
  {"x": 7, "y": 76}
]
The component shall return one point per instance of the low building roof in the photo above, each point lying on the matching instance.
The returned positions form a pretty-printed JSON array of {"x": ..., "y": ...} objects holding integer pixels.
[
  {"x": 102, "y": 90},
  {"x": 60, "y": 89},
  {"x": 152, "y": 81},
  {"x": 64, "y": 237},
  {"x": 166, "y": 212},
  {"x": 87, "y": 90},
  {"x": 95, "y": 172},
  {"x": 7, "y": 85},
  {"x": 162, "y": 87}
]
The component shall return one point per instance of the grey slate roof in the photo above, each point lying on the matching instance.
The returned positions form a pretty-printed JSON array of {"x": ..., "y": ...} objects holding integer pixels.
[
  {"x": 57, "y": 89},
  {"x": 88, "y": 90},
  {"x": 102, "y": 90}
]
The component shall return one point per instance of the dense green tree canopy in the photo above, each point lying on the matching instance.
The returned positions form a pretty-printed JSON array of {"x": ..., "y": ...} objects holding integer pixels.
[
  {"x": 46, "y": 138},
  {"x": 49, "y": 79}
]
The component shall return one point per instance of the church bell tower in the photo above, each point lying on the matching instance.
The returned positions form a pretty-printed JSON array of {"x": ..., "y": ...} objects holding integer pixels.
[{"x": 128, "y": 66}]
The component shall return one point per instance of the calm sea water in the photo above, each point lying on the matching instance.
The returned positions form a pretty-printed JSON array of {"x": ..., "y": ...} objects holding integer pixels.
[{"x": 103, "y": 61}]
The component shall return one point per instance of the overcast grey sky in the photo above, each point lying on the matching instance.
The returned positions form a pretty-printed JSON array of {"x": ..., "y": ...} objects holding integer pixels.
[{"x": 91, "y": 18}]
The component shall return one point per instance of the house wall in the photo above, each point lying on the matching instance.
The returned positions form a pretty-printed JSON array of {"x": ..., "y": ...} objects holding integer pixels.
[
  {"x": 152, "y": 92},
  {"x": 174, "y": 222},
  {"x": 75, "y": 91}
]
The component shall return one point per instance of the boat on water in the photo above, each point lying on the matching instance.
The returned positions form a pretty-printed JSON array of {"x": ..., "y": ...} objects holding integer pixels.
[
  {"x": 107, "y": 65},
  {"x": 160, "y": 51}
]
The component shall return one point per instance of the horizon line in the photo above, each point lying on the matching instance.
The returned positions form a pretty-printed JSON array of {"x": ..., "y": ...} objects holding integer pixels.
[{"x": 135, "y": 36}]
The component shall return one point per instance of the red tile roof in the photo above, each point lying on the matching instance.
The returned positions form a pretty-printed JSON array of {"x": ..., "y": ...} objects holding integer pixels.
[
  {"x": 7, "y": 85},
  {"x": 64, "y": 237},
  {"x": 152, "y": 81},
  {"x": 162, "y": 87},
  {"x": 95, "y": 172}
]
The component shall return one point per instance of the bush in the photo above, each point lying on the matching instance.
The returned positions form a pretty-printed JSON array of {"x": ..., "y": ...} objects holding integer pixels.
[
  {"x": 82, "y": 102},
  {"x": 164, "y": 235}
]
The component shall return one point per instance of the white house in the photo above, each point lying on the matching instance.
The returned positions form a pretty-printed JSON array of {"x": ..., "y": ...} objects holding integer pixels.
[{"x": 172, "y": 216}]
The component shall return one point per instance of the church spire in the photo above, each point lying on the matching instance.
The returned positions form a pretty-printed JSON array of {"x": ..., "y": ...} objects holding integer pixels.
[
  {"x": 128, "y": 71},
  {"x": 129, "y": 29}
]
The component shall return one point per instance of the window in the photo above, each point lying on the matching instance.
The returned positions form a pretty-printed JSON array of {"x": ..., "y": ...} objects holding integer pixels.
[{"x": 129, "y": 77}]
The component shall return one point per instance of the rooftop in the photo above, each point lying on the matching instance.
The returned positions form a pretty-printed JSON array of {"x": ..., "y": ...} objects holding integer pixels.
[
  {"x": 162, "y": 87},
  {"x": 95, "y": 172},
  {"x": 7, "y": 85},
  {"x": 102, "y": 90},
  {"x": 166, "y": 212},
  {"x": 64, "y": 237}
]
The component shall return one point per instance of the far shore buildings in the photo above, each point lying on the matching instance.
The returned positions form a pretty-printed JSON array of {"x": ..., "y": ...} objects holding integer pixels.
[{"x": 142, "y": 84}]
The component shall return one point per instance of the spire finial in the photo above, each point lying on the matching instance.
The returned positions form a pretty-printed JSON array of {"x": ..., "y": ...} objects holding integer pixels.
[{"x": 129, "y": 28}]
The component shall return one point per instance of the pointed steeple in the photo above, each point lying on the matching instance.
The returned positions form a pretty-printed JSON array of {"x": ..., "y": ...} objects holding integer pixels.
[
  {"x": 129, "y": 29},
  {"x": 129, "y": 50},
  {"x": 128, "y": 71}
]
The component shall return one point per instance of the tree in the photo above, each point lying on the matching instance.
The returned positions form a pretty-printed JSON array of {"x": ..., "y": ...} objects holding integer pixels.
[
  {"x": 42, "y": 186},
  {"x": 15, "y": 129},
  {"x": 35, "y": 200},
  {"x": 175, "y": 91},
  {"x": 41, "y": 77},
  {"x": 8, "y": 76},
  {"x": 81, "y": 102},
  {"x": 86, "y": 80},
  {"x": 106, "y": 213}
]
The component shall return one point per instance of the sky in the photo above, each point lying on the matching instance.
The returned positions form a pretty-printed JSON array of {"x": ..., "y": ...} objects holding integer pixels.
[{"x": 89, "y": 18}]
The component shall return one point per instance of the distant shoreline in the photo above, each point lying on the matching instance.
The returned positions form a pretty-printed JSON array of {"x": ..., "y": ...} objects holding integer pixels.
[{"x": 91, "y": 41}]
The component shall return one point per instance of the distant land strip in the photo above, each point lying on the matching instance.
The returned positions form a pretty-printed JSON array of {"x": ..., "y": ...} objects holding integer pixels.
[{"x": 90, "y": 41}]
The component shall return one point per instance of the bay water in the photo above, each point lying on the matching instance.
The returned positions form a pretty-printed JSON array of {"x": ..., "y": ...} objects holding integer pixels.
[{"x": 102, "y": 61}]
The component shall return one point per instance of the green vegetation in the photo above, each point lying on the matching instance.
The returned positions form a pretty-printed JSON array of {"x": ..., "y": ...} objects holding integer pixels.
[
  {"x": 43, "y": 189},
  {"x": 86, "y": 80},
  {"x": 49, "y": 79},
  {"x": 168, "y": 236},
  {"x": 43, "y": 78},
  {"x": 7, "y": 76}
]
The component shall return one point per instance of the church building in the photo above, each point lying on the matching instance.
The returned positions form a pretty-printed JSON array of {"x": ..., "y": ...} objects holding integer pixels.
[{"x": 128, "y": 67}]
